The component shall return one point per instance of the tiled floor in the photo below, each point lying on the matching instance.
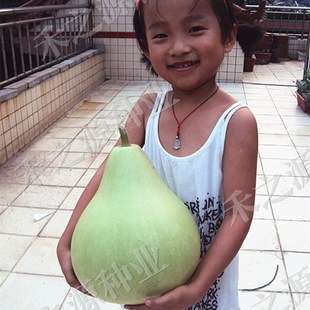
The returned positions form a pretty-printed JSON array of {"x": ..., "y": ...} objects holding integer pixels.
[{"x": 40, "y": 186}]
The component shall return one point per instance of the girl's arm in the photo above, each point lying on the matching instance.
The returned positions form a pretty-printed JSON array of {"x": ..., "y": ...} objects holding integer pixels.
[
  {"x": 239, "y": 182},
  {"x": 239, "y": 176},
  {"x": 135, "y": 127}
]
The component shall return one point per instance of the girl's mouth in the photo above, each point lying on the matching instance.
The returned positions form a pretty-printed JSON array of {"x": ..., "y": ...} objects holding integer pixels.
[{"x": 183, "y": 64}]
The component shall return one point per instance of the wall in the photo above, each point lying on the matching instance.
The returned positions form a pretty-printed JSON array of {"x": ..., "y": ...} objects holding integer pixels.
[
  {"x": 114, "y": 33},
  {"x": 296, "y": 45},
  {"x": 31, "y": 105}
]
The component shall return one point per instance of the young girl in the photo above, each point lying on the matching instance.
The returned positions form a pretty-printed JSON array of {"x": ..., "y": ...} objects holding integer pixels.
[{"x": 202, "y": 142}]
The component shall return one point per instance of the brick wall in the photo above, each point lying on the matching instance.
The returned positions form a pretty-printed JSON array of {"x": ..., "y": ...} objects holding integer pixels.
[{"x": 31, "y": 105}]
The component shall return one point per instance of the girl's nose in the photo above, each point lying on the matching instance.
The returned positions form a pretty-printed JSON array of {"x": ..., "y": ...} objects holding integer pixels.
[{"x": 179, "y": 47}]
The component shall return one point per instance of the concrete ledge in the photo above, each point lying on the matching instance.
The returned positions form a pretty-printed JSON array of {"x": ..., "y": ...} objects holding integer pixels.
[
  {"x": 12, "y": 90},
  {"x": 7, "y": 94},
  {"x": 18, "y": 86},
  {"x": 45, "y": 74},
  {"x": 63, "y": 66},
  {"x": 31, "y": 81}
]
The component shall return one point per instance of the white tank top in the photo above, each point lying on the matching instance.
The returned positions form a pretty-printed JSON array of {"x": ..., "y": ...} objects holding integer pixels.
[{"x": 197, "y": 180}]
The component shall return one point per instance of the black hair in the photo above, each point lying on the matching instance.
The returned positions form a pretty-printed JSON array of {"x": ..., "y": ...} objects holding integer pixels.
[{"x": 224, "y": 12}]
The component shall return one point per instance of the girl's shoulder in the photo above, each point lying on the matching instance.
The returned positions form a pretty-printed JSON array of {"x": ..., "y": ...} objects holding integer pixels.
[
  {"x": 145, "y": 105},
  {"x": 242, "y": 127},
  {"x": 138, "y": 117},
  {"x": 242, "y": 118},
  {"x": 147, "y": 101}
]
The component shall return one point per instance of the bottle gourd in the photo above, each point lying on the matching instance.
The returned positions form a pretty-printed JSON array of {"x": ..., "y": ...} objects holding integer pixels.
[{"x": 136, "y": 239}]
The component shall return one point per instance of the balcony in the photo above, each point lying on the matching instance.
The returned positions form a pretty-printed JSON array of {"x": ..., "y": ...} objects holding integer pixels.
[{"x": 55, "y": 140}]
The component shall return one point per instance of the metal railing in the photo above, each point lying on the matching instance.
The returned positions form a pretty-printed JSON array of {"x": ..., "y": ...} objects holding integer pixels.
[
  {"x": 35, "y": 38},
  {"x": 290, "y": 20},
  {"x": 293, "y": 21}
]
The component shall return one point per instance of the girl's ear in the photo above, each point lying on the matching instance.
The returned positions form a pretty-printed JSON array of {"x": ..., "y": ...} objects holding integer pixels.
[
  {"x": 146, "y": 55},
  {"x": 146, "y": 61},
  {"x": 231, "y": 40}
]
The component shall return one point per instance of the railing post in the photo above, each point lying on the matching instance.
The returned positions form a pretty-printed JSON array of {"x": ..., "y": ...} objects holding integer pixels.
[
  {"x": 307, "y": 57},
  {"x": 90, "y": 24}
]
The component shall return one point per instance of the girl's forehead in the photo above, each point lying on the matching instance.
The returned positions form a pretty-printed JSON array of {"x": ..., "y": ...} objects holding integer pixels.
[
  {"x": 163, "y": 7},
  {"x": 172, "y": 4}
]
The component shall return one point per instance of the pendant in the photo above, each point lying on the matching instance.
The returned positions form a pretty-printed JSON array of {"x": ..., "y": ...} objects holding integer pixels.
[{"x": 177, "y": 143}]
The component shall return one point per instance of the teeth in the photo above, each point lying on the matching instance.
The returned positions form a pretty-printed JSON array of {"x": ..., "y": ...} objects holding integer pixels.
[{"x": 184, "y": 65}]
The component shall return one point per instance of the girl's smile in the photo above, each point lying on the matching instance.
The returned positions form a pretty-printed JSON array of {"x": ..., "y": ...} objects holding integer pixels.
[{"x": 183, "y": 65}]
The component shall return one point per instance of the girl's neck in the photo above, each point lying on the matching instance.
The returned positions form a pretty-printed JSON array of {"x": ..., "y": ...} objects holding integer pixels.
[{"x": 194, "y": 96}]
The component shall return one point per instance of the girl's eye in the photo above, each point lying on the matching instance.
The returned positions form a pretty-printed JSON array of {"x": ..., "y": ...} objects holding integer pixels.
[
  {"x": 196, "y": 29},
  {"x": 159, "y": 36}
]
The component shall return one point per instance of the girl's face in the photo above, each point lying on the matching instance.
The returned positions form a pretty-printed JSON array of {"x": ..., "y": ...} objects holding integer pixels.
[{"x": 184, "y": 41}]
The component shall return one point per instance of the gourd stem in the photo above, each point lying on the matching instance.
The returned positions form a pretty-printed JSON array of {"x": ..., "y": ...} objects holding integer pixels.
[{"x": 124, "y": 137}]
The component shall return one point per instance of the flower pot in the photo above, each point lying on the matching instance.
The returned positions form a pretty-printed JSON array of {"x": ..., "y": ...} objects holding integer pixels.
[
  {"x": 302, "y": 103},
  {"x": 262, "y": 58},
  {"x": 249, "y": 63}
]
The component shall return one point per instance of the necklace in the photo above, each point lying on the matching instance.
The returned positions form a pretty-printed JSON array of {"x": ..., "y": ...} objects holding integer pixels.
[{"x": 177, "y": 142}]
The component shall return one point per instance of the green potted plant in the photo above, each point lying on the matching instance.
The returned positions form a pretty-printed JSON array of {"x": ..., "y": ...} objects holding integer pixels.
[{"x": 303, "y": 92}]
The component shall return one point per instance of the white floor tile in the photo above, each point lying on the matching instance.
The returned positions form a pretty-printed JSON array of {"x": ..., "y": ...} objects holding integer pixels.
[
  {"x": 301, "y": 140},
  {"x": 261, "y": 186},
  {"x": 86, "y": 177},
  {"x": 59, "y": 177},
  {"x": 298, "y": 265},
  {"x": 88, "y": 105},
  {"x": 278, "y": 129},
  {"x": 265, "y": 301},
  {"x": 25, "y": 174},
  {"x": 72, "y": 122},
  {"x": 83, "y": 113},
  {"x": 262, "y": 208},
  {"x": 278, "y": 152},
  {"x": 31, "y": 159},
  {"x": 73, "y": 160},
  {"x": 3, "y": 208},
  {"x": 13, "y": 248},
  {"x": 288, "y": 186},
  {"x": 93, "y": 145},
  {"x": 275, "y": 139},
  {"x": 297, "y": 121},
  {"x": 294, "y": 235},
  {"x": 49, "y": 145},
  {"x": 266, "y": 269},
  {"x": 268, "y": 119},
  {"x": 17, "y": 220},
  {"x": 25, "y": 291},
  {"x": 294, "y": 111},
  {"x": 301, "y": 301},
  {"x": 285, "y": 167},
  {"x": 72, "y": 199},
  {"x": 56, "y": 224},
  {"x": 256, "y": 238},
  {"x": 42, "y": 196},
  {"x": 81, "y": 301},
  {"x": 298, "y": 130},
  {"x": 3, "y": 276},
  {"x": 291, "y": 208},
  {"x": 9, "y": 192},
  {"x": 257, "y": 110},
  {"x": 60, "y": 132},
  {"x": 40, "y": 258}
]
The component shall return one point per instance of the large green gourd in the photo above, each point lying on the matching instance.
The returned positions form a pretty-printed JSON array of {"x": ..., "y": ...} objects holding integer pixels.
[{"x": 136, "y": 239}]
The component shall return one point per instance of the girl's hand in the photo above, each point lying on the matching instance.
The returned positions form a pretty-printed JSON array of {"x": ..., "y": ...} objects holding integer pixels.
[
  {"x": 180, "y": 298},
  {"x": 64, "y": 258}
]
